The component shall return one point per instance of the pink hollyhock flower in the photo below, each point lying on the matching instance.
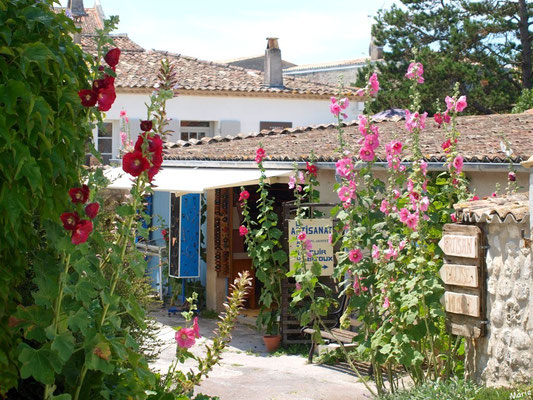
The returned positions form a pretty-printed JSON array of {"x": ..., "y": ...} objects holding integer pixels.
[
  {"x": 402, "y": 244},
  {"x": 494, "y": 194},
  {"x": 347, "y": 193},
  {"x": 292, "y": 182},
  {"x": 81, "y": 233},
  {"x": 79, "y": 194},
  {"x": 344, "y": 167},
  {"x": 298, "y": 286},
  {"x": 372, "y": 142},
  {"x": 386, "y": 303},
  {"x": 512, "y": 176},
  {"x": 357, "y": 286},
  {"x": 410, "y": 185},
  {"x": 196, "y": 328},
  {"x": 92, "y": 210},
  {"x": 302, "y": 236},
  {"x": 259, "y": 155},
  {"x": 124, "y": 138},
  {"x": 424, "y": 167},
  {"x": 243, "y": 231},
  {"x": 185, "y": 338},
  {"x": 244, "y": 195},
  {"x": 360, "y": 92},
  {"x": 404, "y": 214},
  {"x": 461, "y": 104},
  {"x": 299, "y": 188},
  {"x": 415, "y": 72},
  {"x": 424, "y": 204},
  {"x": 122, "y": 113},
  {"x": 366, "y": 154},
  {"x": 425, "y": 186},
  {"x": 301, "y": 177},
  {"x": 308, "y": 245},
  {"x": 453, "y": 217},
  {"x": 458, "y": 164},
  {"x": 330, "y": 238},
  {"x": 355, "y": 255},
  {"x": 447, "y": 117},
  {"x": 344, "y": 103},
  {"x": 391, "y": 252},
  {"x": 474, "y": 198},
  {"x": 384, "y": 208},
  {"x": 70, "y": 220},
  {"x": 412, "y": 220},
  {"x": 450, "y": 103},
  {"x": 363, "y": 125},
  {"x": 396, "y": 193},
  {"x": 335, "y": 109},
  {"x": 374, "y": 84},
  {"x": 375, "y": 252}
]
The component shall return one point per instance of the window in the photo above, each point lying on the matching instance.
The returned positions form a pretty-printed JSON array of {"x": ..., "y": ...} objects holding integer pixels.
[
  {"x": 104, "y": 141},
  {"x": 270, "y": 125},
  {"x": 195, "y": 129}
]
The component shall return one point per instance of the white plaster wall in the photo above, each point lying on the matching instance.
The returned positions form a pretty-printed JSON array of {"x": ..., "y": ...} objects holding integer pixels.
[
  {"x": 503, "y": 357},
  {"x": 248, "y": 110}
]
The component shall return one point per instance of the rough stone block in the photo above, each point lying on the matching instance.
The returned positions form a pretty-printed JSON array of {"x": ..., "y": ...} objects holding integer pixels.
[
  {"x": 520, "y": 340},
  {"x": 492, "y": 285},
  {"x": 497, "y": 314},
  {"x": 505, "y": 287},
  {"x": 521, "y": 290}
]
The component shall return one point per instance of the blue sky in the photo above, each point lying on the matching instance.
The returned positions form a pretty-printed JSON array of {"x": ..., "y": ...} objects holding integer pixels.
[{"x": 310, "y": 31}]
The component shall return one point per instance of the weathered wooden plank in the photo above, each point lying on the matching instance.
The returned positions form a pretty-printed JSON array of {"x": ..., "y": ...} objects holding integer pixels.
[
  {"x": 460, "y": 246},
  {"x": 460, "y": 275},
  {"x": 463, "y": 329},
  {"x": 460, "y": 303}
]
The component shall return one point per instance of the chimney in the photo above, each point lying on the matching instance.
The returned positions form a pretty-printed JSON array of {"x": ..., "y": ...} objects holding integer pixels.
[
  {"x": 375, "y": 52},
  {"x": 273, "y": 70},
  {"x": 77, "y": 11}
]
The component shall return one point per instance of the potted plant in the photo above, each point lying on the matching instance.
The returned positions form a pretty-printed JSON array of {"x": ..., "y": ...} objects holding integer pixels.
[{"x": 262, "y": 238}]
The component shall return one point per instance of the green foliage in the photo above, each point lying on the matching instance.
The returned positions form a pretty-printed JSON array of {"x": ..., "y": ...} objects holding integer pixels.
[
  {"x": 41, "y": 70},
  {"x": 265, "y": 249},
  {"x": 477, "y": 44},
  {"x": 524, "y": 102},
  {"x": 442, "y": 390}
]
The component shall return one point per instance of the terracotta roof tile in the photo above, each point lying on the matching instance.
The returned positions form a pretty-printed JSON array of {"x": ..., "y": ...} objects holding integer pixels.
[
  {"x": 139, "y": 70},
  {"x": 479, "y": 141},
  {"x": 122, "y": 41},
  {"x": 509, "y": 208}
]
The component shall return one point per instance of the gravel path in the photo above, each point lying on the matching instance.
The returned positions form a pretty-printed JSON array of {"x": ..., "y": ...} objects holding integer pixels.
[{"x": 248, "y": 372}]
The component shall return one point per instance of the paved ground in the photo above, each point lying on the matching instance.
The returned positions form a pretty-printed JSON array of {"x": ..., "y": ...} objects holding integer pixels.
[{"x": 248, "y": 372}]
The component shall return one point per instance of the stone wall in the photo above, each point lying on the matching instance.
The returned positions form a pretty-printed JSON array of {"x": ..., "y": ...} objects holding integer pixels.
[{"x": 504, "y": 356}]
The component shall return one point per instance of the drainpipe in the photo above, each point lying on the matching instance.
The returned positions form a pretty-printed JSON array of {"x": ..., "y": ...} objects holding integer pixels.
[{"x": 529, "y": 164}]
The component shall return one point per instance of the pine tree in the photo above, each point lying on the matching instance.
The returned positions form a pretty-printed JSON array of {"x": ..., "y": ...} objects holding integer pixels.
[{"x": 485, "y": 45}]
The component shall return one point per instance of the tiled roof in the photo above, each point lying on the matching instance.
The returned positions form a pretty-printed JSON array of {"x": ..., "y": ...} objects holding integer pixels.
[
  {"x": 122, "y": 41},
  {"x": 511, "y": 208},
  {"x": 91, "y": 22},
  {"x": 479, "y": 141},
  {"x": 139, "y": 71},
  {"x": 325, "y": 65}
]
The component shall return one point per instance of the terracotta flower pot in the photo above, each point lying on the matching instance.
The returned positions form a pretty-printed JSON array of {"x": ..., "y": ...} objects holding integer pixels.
[{"x": 272, "y": 342}]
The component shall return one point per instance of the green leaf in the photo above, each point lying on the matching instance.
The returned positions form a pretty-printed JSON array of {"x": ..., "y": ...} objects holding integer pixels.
[
  {"x": 40, "y": 364},
  {"x": 63, "y": 345},
  {"x": 280, "y": 256},
  {"x": 36, "y": 53}
]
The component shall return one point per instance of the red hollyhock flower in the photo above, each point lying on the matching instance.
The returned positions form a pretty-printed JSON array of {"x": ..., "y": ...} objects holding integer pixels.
[
  {"x": 146, "y": 126},
  {"x": 92, "y": 210},
  {"x": 259, "y": 155},
  {"x": 70, "y": 220},
  {"x": 82, "y": 231},
  {"x": 312, "y": 169},
  {"x": 88, "y": 97},
  {"x": 104, "y": 83},
  {"x": 155, "y": 143},
  {"x": 134, "y": 163},
  {"x": 153, "y": 172},
  {"x": 112, "y": 56},
  {"x": 79, "y": 195},
  {"x": 157, "y": 159},
  {"x": 106, "y": 98}
]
